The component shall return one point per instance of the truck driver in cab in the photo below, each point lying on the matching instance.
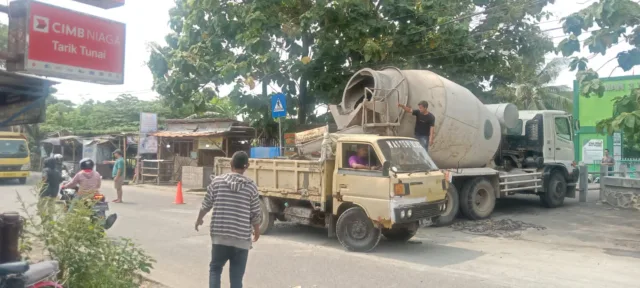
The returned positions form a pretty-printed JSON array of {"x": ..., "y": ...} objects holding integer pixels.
[{"x": 361, "y": 160}]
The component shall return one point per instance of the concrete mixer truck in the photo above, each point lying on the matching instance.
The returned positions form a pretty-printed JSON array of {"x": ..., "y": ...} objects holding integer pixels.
[{"x": 490, "y": 151}]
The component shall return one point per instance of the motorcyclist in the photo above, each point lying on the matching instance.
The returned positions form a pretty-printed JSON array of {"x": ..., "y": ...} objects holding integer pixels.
[
  {"x": 59, "y": 165},
  {"x": 87, "y": 180}
]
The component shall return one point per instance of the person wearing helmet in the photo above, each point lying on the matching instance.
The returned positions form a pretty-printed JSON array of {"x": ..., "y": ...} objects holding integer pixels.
[
  {"x": 50, "y": 179},
  {"x": 87, "y": 179},
  {"x": 59, "y": 165}
]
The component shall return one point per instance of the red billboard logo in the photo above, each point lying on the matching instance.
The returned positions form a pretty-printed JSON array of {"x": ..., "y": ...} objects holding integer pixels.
[
  {"x": 41, "y": 24},
  {"x": 72, "y": 45}
]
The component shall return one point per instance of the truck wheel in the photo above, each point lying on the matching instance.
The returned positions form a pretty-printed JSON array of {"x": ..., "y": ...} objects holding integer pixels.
[
  {"x": 356, "y": 232},
  {"x": 451, "y": 211},
  {"x": 402, "y": 234},
  {"x": 267, "y": 219},
  {"x": 22, "y": 181},
  {"x": 478, "y": 199},
  {"x": 555, "y": 191}
]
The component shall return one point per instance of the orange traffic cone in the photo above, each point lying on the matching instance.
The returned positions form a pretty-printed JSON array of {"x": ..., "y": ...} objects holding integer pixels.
[{"x": 179, "y": 199}]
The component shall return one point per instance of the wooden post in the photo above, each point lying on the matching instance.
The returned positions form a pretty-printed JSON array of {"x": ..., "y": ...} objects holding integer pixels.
[
  {"x": 124, "y": 155},
  {"x": 226, "y": 146}
]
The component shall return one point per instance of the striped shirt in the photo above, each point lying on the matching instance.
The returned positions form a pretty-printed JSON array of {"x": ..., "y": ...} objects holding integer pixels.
[{"x": 236, "y": 207}]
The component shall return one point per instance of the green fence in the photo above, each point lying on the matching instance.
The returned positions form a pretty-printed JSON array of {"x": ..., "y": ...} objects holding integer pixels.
[{"x": 628, "y": 165}]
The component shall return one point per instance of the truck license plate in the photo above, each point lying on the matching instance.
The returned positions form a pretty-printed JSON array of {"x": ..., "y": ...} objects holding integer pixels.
[{"x": 425, "y": 222}]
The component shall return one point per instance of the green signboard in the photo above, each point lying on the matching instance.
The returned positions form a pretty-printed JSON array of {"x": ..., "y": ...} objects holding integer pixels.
[{"x": 591, "y": 110}]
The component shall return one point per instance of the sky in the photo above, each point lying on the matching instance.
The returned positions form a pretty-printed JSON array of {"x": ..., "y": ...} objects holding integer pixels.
[{"x": 149, "y": 23}]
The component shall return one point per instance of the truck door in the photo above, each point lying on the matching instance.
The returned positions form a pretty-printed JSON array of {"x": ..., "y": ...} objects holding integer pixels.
[
  {"x": 563, "y": 141},
  {"x": 368, "y": 188}
]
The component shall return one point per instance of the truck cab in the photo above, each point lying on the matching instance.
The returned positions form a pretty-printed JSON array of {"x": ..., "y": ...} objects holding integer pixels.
[
  {"x": 406, "y": 191},
  {"x": 547, "y": 134},
  {"x": 15, "y": 162},
  {"x": 542, "y": 140}
]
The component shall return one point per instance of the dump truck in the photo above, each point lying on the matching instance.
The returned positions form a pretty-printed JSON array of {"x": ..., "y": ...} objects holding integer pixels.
[
  {"x": 15, "y": 161},
  {"x": 491, "y": 151},
  {"x": 402, "y": 190}
]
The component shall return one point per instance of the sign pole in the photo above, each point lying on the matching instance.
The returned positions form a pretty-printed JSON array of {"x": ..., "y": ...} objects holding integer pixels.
[
  {"x": 279, "y": 110},
  {"x": 280, "y": 136}
]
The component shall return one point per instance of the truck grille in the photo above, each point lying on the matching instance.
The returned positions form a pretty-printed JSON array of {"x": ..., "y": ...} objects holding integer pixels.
[
  {"x": 420, "y": 211},
  {"x": 10, "y": 168}
]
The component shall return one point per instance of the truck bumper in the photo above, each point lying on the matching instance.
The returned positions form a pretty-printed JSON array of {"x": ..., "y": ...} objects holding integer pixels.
[
  {"x": 416, "y": 212},
  {"x": 14, "y": 174}
]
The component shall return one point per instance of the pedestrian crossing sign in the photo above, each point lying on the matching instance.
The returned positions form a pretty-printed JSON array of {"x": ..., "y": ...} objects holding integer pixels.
[{"x": 278, "y": 105}]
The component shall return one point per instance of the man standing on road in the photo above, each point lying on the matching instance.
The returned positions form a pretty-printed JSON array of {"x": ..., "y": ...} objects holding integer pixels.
[
  {"x": 236, "y": 209},
  {"x": 425, "y": 123},
  {"x": 117, "y": 173}
]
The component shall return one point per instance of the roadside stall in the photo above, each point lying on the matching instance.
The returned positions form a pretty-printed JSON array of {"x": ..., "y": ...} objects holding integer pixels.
[
  {"x": 191, "y": 145},
  {"x": 70, "y": 147}
]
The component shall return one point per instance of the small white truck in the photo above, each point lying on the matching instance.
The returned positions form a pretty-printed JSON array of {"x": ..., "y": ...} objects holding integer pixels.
[{"x": 402, "y": 189}]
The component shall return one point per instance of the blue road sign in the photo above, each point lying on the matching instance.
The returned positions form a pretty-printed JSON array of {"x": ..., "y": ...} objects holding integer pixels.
[{"x": 278, "y": 105}]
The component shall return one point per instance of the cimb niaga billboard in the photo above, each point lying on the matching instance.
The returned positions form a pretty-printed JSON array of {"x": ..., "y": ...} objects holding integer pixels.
[{"x": 68, "y": 44}]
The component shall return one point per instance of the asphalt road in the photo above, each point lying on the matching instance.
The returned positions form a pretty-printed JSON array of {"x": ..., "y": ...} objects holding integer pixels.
[{"x": 575, "y": 246}]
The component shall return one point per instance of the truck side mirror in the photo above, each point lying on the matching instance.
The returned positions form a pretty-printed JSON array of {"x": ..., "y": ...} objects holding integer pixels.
[
  {"x": 576, "y": 125},
  {"x": 385, "y": 168}
]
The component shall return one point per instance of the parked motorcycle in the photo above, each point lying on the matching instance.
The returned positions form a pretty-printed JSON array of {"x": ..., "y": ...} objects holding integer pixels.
[
  {"x": 23, "y": 275},
  {"x": 99, "y": 208}
]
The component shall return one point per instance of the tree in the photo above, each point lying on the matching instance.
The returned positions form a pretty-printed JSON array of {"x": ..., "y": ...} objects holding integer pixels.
[
  {"x": 221, "y": 108},
  {"x": 308, "y": 49},
  {"x": 613, "y": 20},
  {"x": 532, "y": 89},
  {"x": 109, "y": 117}
]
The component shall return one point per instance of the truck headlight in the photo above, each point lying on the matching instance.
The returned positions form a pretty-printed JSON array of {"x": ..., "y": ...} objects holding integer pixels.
[
  {"x": 402, "y": 214},
  {"x": 26, "y": 167},
  {"x": 409, "y": 213}
]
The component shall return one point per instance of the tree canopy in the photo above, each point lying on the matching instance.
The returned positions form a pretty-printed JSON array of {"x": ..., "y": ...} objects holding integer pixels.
[
  {"x": 609, "y": 23},
  {"x": 308, "y": 49},
  {"x": 95, "y": 118}
]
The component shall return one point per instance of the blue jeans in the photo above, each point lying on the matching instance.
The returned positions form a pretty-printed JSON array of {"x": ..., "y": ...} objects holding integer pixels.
[
  {"x": 237, "y": 258},
  {"x": 424, "y": 141}
]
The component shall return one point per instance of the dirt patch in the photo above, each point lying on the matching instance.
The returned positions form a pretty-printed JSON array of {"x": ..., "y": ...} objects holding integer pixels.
[{"x": 505, "y": 228}]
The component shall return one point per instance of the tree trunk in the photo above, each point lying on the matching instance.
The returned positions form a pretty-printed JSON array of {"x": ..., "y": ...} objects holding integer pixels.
[{"x": 303, "y": 99}]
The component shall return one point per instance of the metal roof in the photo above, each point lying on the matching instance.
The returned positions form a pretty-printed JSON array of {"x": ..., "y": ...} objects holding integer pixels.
[{"x": 237, "y": 131}]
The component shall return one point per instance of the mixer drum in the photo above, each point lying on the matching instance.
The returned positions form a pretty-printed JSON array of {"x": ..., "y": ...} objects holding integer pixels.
[{"x": 467, "y": 134}]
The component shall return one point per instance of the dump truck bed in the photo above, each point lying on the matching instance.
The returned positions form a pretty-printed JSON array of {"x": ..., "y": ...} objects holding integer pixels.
[{"x": 293, "y": 179}]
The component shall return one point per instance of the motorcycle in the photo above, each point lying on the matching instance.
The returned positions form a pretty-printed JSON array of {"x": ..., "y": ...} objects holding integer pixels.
[
  {"x": 99, "y": 208},
  {"x": 23, "y": 275}
]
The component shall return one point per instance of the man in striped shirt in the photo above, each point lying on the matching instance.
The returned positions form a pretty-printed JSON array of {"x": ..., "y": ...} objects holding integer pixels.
[{"x": 236, "y": 209}]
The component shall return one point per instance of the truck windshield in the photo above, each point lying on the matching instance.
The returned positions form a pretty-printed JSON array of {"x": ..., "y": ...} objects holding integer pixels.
[
  {"x": 13, "y": 148},
  {"x": 406, "y": 155}
]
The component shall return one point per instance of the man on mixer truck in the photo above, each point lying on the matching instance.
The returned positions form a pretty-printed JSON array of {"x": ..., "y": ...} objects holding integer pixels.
[{"x": 425, "y": 121}]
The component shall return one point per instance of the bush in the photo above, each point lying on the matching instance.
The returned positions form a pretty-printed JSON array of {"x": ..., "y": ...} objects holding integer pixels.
[{"x": 87, "y": 257}]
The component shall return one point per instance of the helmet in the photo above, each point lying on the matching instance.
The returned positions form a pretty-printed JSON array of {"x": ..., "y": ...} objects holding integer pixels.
[
  {"x": 86, "y": 164},
  {"x": 58, "y": 157}
]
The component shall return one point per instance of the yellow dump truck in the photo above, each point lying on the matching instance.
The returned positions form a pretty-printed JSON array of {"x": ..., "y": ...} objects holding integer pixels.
[
  {"x": 402, "y": 190},
  {"x": 15, "y": 161}
]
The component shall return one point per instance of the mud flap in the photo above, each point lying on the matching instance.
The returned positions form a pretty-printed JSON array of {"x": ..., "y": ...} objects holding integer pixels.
[
  {"x": 571, "y": 190},
  {"x": 331, "y": 224}
]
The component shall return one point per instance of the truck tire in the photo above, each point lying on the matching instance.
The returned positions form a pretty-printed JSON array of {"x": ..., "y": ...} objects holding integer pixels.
[
  {"x": 478, "y": 198},
  {"x": 555, "y": 191},
  {"x": 402, "y": 234},
  {"x": 267, "y": 218},
  {"x": 356, "y": 231},
  {"x": 453, "y": 206},
  {"x": 22, "y": 180}
]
